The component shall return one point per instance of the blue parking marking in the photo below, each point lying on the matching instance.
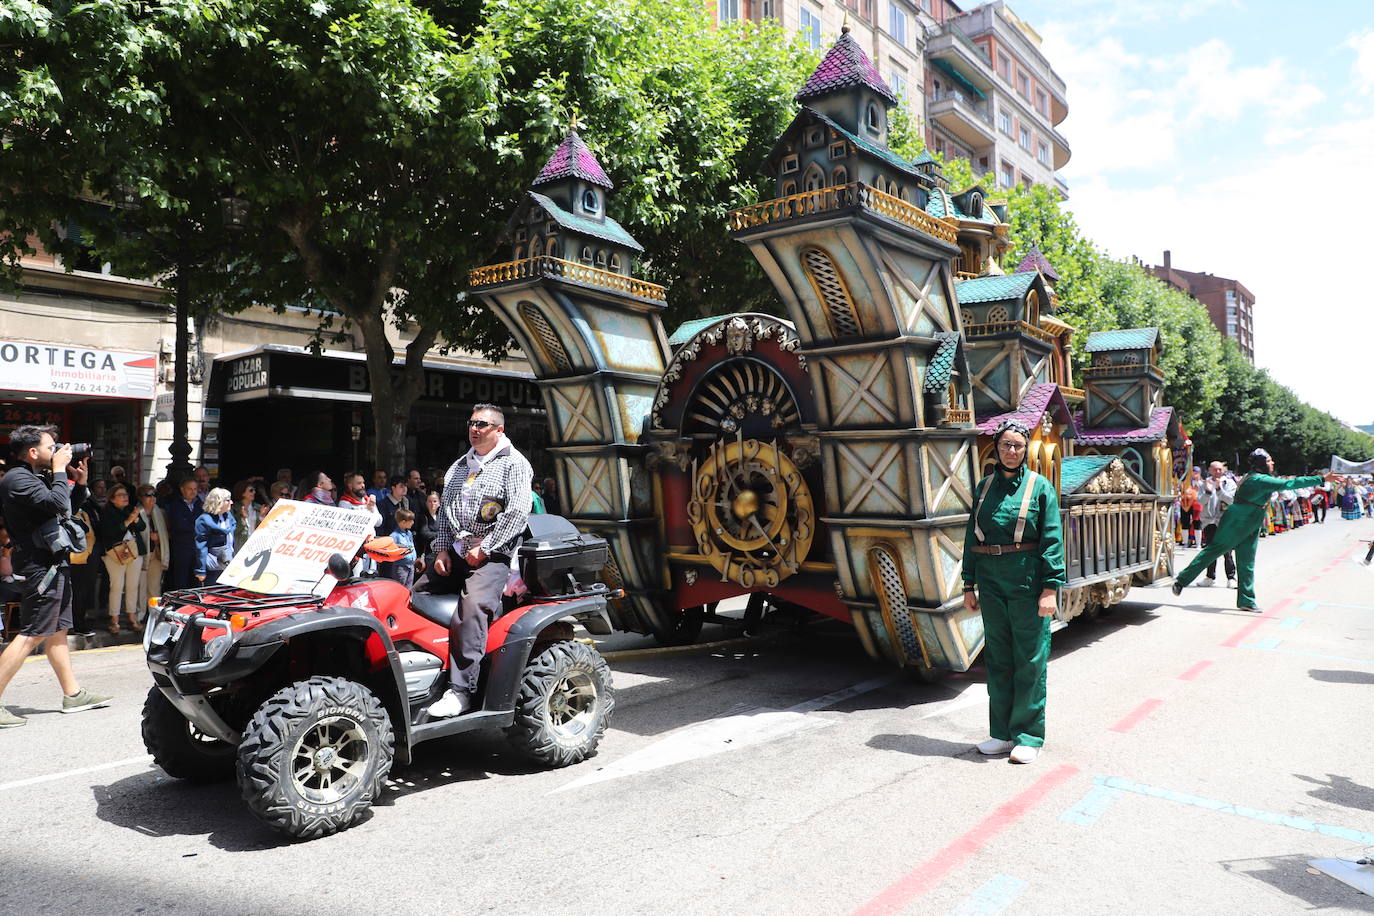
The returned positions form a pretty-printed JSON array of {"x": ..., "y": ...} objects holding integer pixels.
[
  {"x": 993, "y": 897},
  {"x": 1290, "y": 623},
  {"x": 1090, "y": 807},
  {"x": 1270, "y": 643},
  {"x": 1255, "y": 814}
]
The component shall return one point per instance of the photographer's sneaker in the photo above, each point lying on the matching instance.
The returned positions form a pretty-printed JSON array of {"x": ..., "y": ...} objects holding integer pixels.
[
  {"x": 449, "y": 705},
  {"x": 1024, "y": 753},
  {"x": 83, "y": 700},
  {"x": 1176, "y": 588},
  {"x": 994, "y": 746},
  {"x": 1207, "y": 582},
  {"x": 10, "y": 720}
]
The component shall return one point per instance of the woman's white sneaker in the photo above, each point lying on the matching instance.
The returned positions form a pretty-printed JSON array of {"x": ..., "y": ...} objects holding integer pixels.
[
  {"x": 994, "y": 746},
  {"x": 1024, "y": 753}
]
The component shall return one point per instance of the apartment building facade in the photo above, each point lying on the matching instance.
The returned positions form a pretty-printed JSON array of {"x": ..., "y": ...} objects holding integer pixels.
[{"x": 1229, "y": 304}]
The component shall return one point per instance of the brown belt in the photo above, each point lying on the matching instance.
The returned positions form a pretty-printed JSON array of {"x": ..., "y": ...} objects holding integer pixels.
[{"x": 997, "y": 550}]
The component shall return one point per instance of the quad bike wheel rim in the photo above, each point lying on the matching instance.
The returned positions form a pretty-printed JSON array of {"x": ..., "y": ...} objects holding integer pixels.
[
  {"x": 572, "y": 704},
  {"x": 330, "y": 760}
]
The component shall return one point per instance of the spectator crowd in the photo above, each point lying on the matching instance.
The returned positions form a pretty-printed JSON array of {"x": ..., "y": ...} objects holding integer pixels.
[{"x": 143, "y": 539}]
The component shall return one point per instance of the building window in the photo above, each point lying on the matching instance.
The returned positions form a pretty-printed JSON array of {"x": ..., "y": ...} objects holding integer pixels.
[
  {"x": 789, "y": 188},
  {"x": 601, "y": 258},
  {"x": 1023, "y": 85},
  {"x": 896, "y": 24},
  {"x": 553, "y": 249},
  {"x": 875, "y": 122},
  {"x": 1004, "y": 121},
  {"x": 839, "y": 150},
  {"x": 790, "y": 164},
  {"x": 1008, "y": 175},
  {"x": 1042, "y": 102},
  {"x": 1004, "y": 67},
  {"x": 815, "y": 136},
  {"x": 863, "y": 7},
  {"x": 587, "y": 255},
  {"x": 840, "y": 176},
  {"x": 615, "y": 263},
  {"x": 811, "y": 26},
  {"x": 1043, "y": 153},
  {"x": 589, "y": 201},
  {"x": 1025, "y": 139},
  {"x": 898, "y": 82},
  {"x": 768, "y": 9},
  {"x": 727, "y": 10}
]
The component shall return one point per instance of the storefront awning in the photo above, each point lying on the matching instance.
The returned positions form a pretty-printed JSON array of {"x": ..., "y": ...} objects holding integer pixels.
[{"x": 953, "y": 73}]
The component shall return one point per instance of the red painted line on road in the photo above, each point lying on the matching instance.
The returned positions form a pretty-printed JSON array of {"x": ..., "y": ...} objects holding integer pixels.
[
  {"x": 1300, "y": 589},
  {"x": 1244, "y": 632},
  {"x": 1316, "y": 577},
  {"x": 1134, "y": 716},
  {"x": 1193, "y": 672},
  {"x": 916, "y": 882}
]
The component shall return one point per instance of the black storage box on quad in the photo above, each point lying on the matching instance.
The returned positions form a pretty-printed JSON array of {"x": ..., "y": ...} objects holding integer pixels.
[{"x": 558, "y": 560}]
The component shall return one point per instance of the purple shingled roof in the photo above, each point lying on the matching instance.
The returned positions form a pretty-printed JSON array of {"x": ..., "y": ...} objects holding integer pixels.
[
  {"x": 1038, "y": 399},
  {"x": 1161, "y": 418},
  {"x": 845, "y": 66},
  {"x": 1035, "y": 260},
  {"x": 572, "y": 159}
]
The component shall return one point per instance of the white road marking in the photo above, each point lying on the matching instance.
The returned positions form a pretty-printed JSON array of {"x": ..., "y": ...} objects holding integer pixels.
[
  {"x": 53, "y": 777},
  {"x": 740, "y": 727}
]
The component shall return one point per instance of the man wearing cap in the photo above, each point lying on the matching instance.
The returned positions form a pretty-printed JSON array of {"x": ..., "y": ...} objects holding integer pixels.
[{"x": 1239, "y": 528}]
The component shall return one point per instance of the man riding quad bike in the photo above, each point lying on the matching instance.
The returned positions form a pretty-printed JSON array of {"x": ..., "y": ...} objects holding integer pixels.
[{"x": 308, "y": 700}]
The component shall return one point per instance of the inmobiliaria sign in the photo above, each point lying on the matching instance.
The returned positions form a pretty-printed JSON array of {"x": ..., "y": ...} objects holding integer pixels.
[{"x": 59, "y": 369}]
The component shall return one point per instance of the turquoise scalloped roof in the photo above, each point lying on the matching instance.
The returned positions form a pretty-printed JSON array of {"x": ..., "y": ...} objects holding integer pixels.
[
  {"x": 941, "y": 362},
  {"x": 1077, "y": 470},
  {"x": 609, "y": 231},
  {"x": 942, "y": 204},
  {"x": 1122, "y": 339},
  {"x": 689, "y": 329},
  {"x": 994, "y": 289}
]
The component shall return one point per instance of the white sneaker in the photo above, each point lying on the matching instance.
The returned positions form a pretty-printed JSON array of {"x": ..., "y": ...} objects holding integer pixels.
[
  {"x": 1230, "y": 583},
  {"x": 994, "y": 746},
  {"x": 450, "y": 704},
  {"x": 1023, "y": 753},
  {"x": 1207, "y": 582}
]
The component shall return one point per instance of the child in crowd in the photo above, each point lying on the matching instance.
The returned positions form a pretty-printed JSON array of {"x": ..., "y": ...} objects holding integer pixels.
[{"x": 403, "y": 570}]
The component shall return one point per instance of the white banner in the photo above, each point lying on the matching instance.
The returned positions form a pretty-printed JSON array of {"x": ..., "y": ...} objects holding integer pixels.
[
  {"x": 1341, "y": 466},
  {"x": 61, "y": 369},
  {"x": 289, "y": 552}
]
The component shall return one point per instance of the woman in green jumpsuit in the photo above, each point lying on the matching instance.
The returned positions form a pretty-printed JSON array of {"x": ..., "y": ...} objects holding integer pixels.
[
  {"x": 1013, "y": 569},
  {"x": 1239, "y": 528}
]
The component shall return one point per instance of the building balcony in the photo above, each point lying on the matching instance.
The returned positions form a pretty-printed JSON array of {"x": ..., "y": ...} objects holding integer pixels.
[
  {"x": 965, "y": 118},
  {"x": 1059, "y": 148},
  {"x": 958, "y": 57},
  {"x": 545, "y": 266},
  {"x": 854, "y": 195}
]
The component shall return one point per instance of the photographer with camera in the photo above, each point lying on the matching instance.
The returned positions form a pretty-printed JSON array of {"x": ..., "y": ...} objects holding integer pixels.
[{"x": 37, "y": 503}]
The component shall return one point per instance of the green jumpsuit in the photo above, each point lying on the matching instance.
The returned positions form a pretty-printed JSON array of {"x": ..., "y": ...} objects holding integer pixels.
[
  {"x": 1239, "y": 530},
  {"x": 1016, "y": 647}
]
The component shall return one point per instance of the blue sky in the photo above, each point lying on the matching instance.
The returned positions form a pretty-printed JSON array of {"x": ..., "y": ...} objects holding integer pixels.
[{"x": 1239, "y": 135}]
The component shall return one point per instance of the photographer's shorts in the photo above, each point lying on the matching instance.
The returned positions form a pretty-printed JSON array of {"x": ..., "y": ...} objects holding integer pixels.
[{"x": 45, "y": 614}]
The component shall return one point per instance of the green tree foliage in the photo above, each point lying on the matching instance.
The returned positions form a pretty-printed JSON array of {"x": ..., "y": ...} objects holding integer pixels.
[{"x": 383, "y": 145}]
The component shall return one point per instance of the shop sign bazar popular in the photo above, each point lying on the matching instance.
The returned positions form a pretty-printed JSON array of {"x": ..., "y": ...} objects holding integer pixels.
[
  {"x": 288, "y": 553},
  {"x": 61, "y": 369}
]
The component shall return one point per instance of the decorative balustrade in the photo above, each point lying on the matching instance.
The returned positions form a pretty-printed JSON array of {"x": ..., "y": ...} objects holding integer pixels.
[
  {"x": 821, "y": 200},
  {"x": 1120, "y": 369},
  {"x": 1071, "y": 394},
  {"x": 955, "y": 415},
  {"x": 545, "y": 266},
  {"x": 1005, "y": 327}
]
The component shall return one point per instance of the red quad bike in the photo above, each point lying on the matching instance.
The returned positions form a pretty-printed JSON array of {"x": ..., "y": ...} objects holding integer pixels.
[{"x": 309, "y": 699}]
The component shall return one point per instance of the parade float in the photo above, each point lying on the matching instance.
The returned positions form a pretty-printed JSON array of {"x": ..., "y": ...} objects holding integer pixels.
[{"x": 828, "y": 460}]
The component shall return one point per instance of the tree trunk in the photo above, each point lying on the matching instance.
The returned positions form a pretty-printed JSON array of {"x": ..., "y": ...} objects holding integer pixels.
[{"x": 394, "y": 390}]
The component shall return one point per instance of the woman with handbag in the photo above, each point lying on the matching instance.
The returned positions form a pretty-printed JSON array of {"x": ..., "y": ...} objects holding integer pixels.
[
  {"x": 159, "y": 555},
  {"x": 247, "y": 513},
  {"x": 214, "y": 537},
  {"x": 121, "y": 533}
]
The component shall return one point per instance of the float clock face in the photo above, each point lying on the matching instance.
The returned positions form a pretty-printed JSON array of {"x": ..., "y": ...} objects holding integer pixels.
[{"x": 751, "y": 512}]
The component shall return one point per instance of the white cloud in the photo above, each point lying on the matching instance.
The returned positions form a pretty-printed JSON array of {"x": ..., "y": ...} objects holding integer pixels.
[
  {"x": 1363, "y": 44},
  {"x": 1263, "y": 225}
]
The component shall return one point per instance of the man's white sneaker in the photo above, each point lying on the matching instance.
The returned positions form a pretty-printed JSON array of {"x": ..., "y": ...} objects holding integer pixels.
[
  {"x": 1207, "y": 582},
  {"x": 994, "y": 746},
  {"x": 1023, "y": 753},
  {"x": 1230, "y": 583},
  {"x": 449, "y": 705}
]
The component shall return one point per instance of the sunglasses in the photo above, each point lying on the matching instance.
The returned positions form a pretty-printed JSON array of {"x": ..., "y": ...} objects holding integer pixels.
[{"x": 480, "y": 424}]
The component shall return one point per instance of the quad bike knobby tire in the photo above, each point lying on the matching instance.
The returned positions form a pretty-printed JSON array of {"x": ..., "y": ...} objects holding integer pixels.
[
  {"x": 564, "y": 704},
  {"x": 314, "y": 756},
  {"x": 179, "y": 747}
]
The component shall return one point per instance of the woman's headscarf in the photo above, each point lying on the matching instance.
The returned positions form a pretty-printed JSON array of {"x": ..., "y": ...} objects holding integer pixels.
[
  {"x": 1259, "y": 460},
  {"x": 1014, "y": 426}
]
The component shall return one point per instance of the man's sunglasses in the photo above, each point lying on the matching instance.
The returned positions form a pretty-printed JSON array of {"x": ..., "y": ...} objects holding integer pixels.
[{"x": 480, "y": 424}]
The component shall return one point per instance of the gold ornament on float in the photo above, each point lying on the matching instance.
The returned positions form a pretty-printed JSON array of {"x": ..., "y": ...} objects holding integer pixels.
[{"x": 751, "y": 512}]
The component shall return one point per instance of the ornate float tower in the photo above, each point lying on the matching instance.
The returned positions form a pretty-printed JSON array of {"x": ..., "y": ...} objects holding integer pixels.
[
  {"x": 594, "y": 336},
  {"x": 864, "y": 272}
]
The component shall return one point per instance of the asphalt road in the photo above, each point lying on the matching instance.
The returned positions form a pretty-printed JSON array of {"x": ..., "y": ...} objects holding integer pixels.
[{"x": 1198, "y": 757}]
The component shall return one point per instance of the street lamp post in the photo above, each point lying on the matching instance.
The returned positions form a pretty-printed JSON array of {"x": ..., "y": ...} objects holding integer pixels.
[{"x": 233, "y": 213}]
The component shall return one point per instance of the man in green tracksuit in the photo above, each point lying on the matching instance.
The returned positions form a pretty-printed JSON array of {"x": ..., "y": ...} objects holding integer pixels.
[
  {"x": 1239, "y": 528},
  {"x": 1014, "y": 558}
]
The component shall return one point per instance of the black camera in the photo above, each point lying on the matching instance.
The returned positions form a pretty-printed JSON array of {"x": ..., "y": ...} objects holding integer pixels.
[{"x": 80, "y": 450}]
